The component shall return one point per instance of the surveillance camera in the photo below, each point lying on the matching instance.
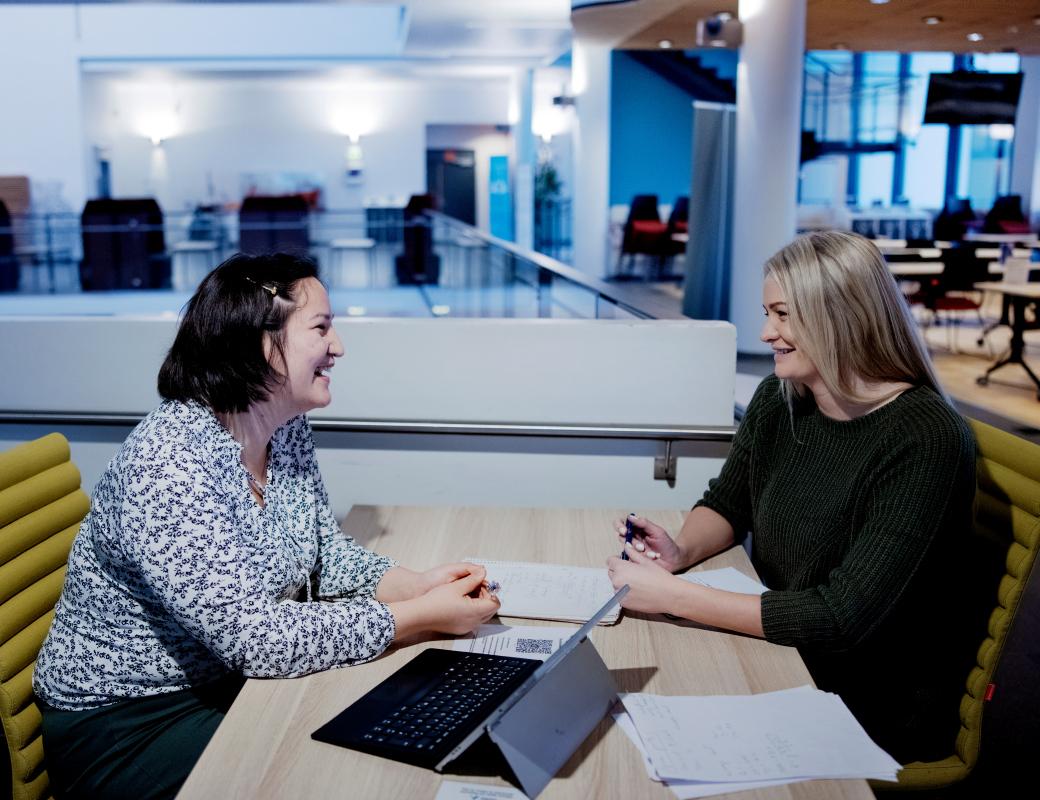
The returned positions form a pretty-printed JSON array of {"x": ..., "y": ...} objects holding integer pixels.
[{"x": 720, "y": 30}]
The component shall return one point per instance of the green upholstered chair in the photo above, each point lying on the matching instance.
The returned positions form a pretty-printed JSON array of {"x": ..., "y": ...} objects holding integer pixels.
[
  {"x": 41, "y": 506},
  {"x": 1007, "y": 517}
]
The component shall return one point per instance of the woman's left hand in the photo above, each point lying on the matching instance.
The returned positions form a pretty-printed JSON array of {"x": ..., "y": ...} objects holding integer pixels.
[{"x": 651, "y": 588}]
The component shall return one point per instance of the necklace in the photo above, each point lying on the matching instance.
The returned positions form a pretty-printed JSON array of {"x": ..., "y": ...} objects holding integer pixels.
[{"x": 257, "y": 487}]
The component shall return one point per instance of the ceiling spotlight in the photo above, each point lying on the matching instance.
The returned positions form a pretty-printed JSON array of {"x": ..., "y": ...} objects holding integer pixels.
[
  {"x": 974, "y": 37},
  {"x": 931, "y": 20},
  {"x": 1012, "y": 29},
  {"x": 879, "y": 2},
  {"x": 665, "y": 44},
  {"x": 839, "y": 46}
]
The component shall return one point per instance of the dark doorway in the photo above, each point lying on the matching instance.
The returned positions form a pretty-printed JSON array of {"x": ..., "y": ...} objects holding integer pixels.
[{"x": 451, "y": 179}]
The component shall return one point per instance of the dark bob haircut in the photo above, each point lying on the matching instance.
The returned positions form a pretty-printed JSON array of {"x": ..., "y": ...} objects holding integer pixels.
[{"x": 217, "y": 357}]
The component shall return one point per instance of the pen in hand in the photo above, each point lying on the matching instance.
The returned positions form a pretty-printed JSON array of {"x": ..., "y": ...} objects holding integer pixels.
[
  {"x": 628, "y": 536},
  {"x": 492, "y": 586}
]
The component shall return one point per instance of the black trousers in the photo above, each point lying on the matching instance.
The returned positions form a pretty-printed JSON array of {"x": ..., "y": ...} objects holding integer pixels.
[{"x": 138, "y": 749}]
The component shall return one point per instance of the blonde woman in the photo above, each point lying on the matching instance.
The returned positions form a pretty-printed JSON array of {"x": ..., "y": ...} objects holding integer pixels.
[{"x": 855, "y": 478}]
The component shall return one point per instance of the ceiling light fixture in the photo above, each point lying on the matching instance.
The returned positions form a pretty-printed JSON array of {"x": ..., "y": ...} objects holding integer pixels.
[
  {"x": 665, "y": 44},
  {"x": 975, "y": 37},
  {"x": 931, "y": 20},
  {"x": 879, "y": 2},
  {"x": 839, "y": 46}
]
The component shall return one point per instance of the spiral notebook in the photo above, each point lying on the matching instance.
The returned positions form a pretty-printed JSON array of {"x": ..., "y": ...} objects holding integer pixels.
[{"x": 550, "y": 591}]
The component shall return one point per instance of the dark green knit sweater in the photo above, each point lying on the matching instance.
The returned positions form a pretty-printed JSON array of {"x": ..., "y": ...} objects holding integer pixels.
[{"x": 859, "y": 530}]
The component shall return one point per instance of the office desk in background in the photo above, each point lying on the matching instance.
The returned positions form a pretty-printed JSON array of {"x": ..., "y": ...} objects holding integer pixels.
[
  {"x": 263, "y": 748},
  {"x": 1021, "y": 295}
]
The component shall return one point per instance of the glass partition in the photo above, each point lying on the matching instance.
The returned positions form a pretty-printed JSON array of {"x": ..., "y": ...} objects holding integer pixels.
[{"x": 129, "y": 257}]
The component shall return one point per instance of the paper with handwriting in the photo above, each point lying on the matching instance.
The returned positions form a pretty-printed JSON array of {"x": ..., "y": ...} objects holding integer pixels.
[
  {"x": 550, "y": 591},
  {"x": 798, "y": 733}
]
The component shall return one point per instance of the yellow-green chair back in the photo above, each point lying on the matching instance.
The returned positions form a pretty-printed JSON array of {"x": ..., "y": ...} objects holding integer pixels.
[
  {"x": 41, "y": 506},
  {"x": 1007, "y": 514}
]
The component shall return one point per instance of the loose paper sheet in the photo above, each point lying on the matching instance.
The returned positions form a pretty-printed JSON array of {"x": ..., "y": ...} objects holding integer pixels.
[
  {"x": 728, "y": 579},
  {"x": 519, "y": 641},
  {"x": 453, "y": 790},
  {"x": 794, "y": 733}
]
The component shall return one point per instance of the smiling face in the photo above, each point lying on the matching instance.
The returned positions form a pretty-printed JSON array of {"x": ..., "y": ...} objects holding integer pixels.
[
  {"x": 311, "y": 349},
  {"x": 789, "y": 362}
]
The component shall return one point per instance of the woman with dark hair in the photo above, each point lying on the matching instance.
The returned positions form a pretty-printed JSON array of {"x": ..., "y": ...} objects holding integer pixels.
[
  {"x": 855, "y": 478},
  {"x": 210, "y": 548}
]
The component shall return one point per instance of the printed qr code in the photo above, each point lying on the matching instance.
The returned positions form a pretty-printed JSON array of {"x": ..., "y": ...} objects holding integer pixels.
[{"x": 543, "y": 646}]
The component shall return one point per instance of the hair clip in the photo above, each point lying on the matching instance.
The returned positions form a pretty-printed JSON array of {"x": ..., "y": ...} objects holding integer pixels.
[{"x": 267, "y": 287}]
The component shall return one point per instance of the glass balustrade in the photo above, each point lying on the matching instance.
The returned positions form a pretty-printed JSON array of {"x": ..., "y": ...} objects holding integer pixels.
[{"x": 140, "y": 260}]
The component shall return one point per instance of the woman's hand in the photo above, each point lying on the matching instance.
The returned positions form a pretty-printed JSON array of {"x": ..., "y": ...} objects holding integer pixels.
[
  {"x": 651, "y": 588},
  {"x": 444, "y": 573},
  {"x": 653, "y": 541},
  {"x": 459, "y": 606},
  {"x": 400, "y": 583}
]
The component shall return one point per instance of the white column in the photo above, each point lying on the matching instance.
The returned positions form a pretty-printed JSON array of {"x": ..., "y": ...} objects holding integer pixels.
[
  {"x": 590, "y": 82},
  {"x": 526, "y": 156},
  {"x": 1025, "y": 164},
  {"x": 769, "y": 104}
]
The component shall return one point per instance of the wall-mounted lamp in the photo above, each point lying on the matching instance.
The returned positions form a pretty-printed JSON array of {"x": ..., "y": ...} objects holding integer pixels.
[{"x": 158, "y": 127}]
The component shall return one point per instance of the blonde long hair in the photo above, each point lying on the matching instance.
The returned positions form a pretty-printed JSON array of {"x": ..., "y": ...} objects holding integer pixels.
[{"x": 849, "y": 316}]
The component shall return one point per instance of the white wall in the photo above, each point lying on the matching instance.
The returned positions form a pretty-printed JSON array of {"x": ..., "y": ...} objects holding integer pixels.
[
  {"x": 40, "y": 134},
  {"x": 140, "y": 60},
  {"x": 223, "y": 127}
]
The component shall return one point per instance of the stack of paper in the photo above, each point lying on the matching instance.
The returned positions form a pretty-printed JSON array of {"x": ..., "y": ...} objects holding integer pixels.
[{"x": 700, "y": 746}]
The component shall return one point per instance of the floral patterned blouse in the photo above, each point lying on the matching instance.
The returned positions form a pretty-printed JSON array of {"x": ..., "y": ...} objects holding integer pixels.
[{"x": 178, "y": 576}]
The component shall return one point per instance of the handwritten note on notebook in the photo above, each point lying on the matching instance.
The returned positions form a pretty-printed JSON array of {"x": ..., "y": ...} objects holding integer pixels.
[{"x": 550, "y": 591}]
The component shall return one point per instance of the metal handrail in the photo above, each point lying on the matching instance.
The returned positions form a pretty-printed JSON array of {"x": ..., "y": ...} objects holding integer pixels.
[{"x": 698, "y": 433}]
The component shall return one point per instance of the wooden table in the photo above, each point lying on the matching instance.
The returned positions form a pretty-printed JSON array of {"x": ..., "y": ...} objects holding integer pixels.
[{"x": 263, "y": 748}]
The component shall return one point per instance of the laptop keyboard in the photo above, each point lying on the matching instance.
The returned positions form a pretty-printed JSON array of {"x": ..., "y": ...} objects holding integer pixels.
[{"x": 424, "y": 723}]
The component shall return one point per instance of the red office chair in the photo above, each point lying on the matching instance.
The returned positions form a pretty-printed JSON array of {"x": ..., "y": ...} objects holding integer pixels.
[
  {"x": 645, "y": 234},
  {"x": 678, "y": 222},
  {"x": 1006, "y": 216},
  {"x": 949, "y": 294}
]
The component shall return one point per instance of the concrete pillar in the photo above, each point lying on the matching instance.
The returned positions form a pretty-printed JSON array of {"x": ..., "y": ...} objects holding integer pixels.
[
  {"x": 590, "y": 82},
  {"x": 1025, "y": 164},
  {"x": 769, "y": 106}
]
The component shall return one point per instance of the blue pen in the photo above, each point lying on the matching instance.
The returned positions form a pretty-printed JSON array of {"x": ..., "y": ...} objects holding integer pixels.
[{"x": 628, "y": 536}]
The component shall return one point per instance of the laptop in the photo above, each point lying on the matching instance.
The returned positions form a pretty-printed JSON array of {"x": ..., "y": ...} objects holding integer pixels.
[{"x": 436, "y": 706}]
